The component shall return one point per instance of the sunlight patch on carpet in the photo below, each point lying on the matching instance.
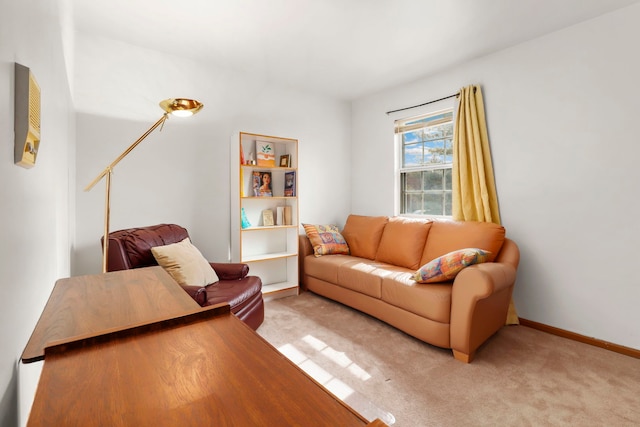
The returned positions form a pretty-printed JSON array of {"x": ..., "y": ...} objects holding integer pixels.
[
  {"x": 314, "y": 342},
  {"x": 337, "y": 387},
  {"x": 334, "y": 385},
  {"x": 316, "y": 372},
  {"x": 338, "y": 357},
  {"x": 292, "y": 354}
]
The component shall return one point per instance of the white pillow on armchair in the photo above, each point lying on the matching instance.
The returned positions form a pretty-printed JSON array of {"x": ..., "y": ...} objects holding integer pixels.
[{"x": 185, "y": 263}]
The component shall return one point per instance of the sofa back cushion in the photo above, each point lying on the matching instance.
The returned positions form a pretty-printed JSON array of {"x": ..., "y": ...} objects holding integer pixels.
[
  {"x": 363, "y": 234},
  {"x": 447, "y": 236},
  {"x": 402, "y": 242}
]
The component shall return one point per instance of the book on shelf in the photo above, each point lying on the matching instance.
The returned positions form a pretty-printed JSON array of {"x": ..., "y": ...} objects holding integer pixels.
[
  {"x": 267, "y": 217},
  {"x": 255, "y": 183},
  {"x": 242, "y": 181},
  {"x": 280, "y": 215},
  {"x": 265, "y": 153},
  {"x": 290, "y": 184},
  {"x": 287, "y": 215},
  {"x": 261, "y": 184}
]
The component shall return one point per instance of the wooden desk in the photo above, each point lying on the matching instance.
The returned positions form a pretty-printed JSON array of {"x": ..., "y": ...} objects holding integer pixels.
[
  {"x": 212, "y": 371},
  {"x": 201, "y": 367},
  {"x": 84, "y": 306}
]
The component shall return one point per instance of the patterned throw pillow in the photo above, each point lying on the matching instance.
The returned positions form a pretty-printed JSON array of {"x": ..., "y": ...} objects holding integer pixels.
[
  {"x": 449, "y": 265},
  {"x": 326, "y": 240}
]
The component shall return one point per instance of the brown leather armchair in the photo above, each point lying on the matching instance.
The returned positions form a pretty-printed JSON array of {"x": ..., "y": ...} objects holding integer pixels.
[{"x": 131, "y": 248}]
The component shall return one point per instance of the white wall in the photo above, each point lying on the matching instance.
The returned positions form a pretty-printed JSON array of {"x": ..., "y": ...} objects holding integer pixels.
[
  {"x": 36, "y": 203},
  {"x": 561, "y": 113},
  {"x": 552, "y": 105},
  {"x": 181, "y": 175}
]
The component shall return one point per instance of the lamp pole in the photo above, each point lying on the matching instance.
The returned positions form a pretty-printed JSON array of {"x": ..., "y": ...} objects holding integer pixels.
[{"x": 178, "y": 106}]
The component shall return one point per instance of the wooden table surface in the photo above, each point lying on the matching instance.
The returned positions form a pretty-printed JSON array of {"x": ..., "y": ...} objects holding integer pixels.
[
  {"x": 132, "y": 348},
  {"x": 83, "y": 306},
  {"x": 208, "y": 370}
]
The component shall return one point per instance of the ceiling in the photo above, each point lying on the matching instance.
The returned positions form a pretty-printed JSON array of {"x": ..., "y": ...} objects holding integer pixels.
[{"x": 341, "y": 48}]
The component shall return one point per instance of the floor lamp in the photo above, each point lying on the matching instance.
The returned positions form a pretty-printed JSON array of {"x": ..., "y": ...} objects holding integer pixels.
[{"x": 179, "y": 107}]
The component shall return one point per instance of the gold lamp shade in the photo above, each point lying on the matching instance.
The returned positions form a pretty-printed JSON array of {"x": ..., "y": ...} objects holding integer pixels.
[{"x": 181, "y": 107}]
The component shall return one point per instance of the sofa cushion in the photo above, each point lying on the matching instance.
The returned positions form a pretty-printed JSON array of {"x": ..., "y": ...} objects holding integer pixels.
[
  {"x": 429, "y": 301},
  {"x": 326, "y": 267},
  {"x": 357, "y": 274},
  {"x": 365, "y": 276},
  {"x": 448, "y": 266},
  {"x": 326, "y": 239},
  {"x": 363, "y": 234},
  {"x": 185, "y": 263},
  {"x": 447, "y": 236},
  {"x": 402, "y": 242}
]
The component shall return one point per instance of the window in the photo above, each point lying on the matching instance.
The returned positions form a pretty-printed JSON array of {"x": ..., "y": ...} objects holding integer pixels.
[{"x": 426, "y": 161}]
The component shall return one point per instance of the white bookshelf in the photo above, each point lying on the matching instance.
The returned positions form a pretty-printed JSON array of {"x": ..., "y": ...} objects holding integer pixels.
[{"x": 271, "y": 251}]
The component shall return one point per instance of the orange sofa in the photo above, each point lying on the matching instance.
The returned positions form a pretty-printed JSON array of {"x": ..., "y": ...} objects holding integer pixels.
[{"x": 377, "y": 278}]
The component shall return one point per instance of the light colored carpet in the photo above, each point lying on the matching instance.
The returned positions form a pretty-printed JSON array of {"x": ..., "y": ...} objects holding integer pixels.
[{"x": 520, "y": 377}]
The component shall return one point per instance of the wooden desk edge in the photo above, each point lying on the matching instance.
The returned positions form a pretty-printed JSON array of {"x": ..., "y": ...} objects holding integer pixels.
[
  {"x": 30, "y": 353},
  {"x": 34, "y": 349},
  {"x": 106, "y": 335}
]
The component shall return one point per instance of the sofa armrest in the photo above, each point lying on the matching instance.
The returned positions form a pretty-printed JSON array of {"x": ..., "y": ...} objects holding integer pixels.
[
  {"x": 230, "y": 271},
  {"x": 479, "y": 303},
  {"x": 198, "y": 293},
  {"x": 509, "y": 254},
  {"x": 304, "y": 246},
  {"x": 304, "y": 249}
]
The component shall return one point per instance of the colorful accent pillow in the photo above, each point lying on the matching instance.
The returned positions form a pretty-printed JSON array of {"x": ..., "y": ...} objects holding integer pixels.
[
  {"x": 449, "y": 265},
  {"x": 326, "y": 240},
  {"x": 185, "y": 263}
]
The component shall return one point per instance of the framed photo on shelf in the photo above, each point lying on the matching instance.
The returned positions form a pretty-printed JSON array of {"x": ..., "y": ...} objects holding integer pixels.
[
  {"x": 265, "y": 153},
  {"x": 290, "y": 184},
  {"x": 267, "y": 217},
  {"x": 285, "y": 161}
]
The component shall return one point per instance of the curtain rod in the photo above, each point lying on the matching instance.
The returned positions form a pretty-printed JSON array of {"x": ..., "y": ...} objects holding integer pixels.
[{"x": 426, "y": 103}]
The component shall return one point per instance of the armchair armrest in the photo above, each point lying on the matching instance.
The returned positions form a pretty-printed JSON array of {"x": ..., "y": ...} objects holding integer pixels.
[
  {"x": 198, "y": 293},
  {"x": 230, "y": 271},
  {"x": 479, "y": 303}
]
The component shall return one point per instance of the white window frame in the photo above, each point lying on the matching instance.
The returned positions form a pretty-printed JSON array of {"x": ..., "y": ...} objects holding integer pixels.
[{"x": 402, "y": 126}]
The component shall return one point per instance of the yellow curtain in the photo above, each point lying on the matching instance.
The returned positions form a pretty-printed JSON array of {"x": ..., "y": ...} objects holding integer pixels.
[{"x": 474, "y": 188}]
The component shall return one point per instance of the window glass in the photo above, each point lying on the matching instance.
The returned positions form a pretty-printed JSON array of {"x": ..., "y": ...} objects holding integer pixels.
[{"x": 426, "y": 161}]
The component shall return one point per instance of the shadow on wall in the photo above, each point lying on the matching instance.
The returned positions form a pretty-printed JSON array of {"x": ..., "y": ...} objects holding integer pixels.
[
  {"x": 86, "y": 259},
  {"x": 9, "y": 402},
  {"x": 179, "y": 175}
]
